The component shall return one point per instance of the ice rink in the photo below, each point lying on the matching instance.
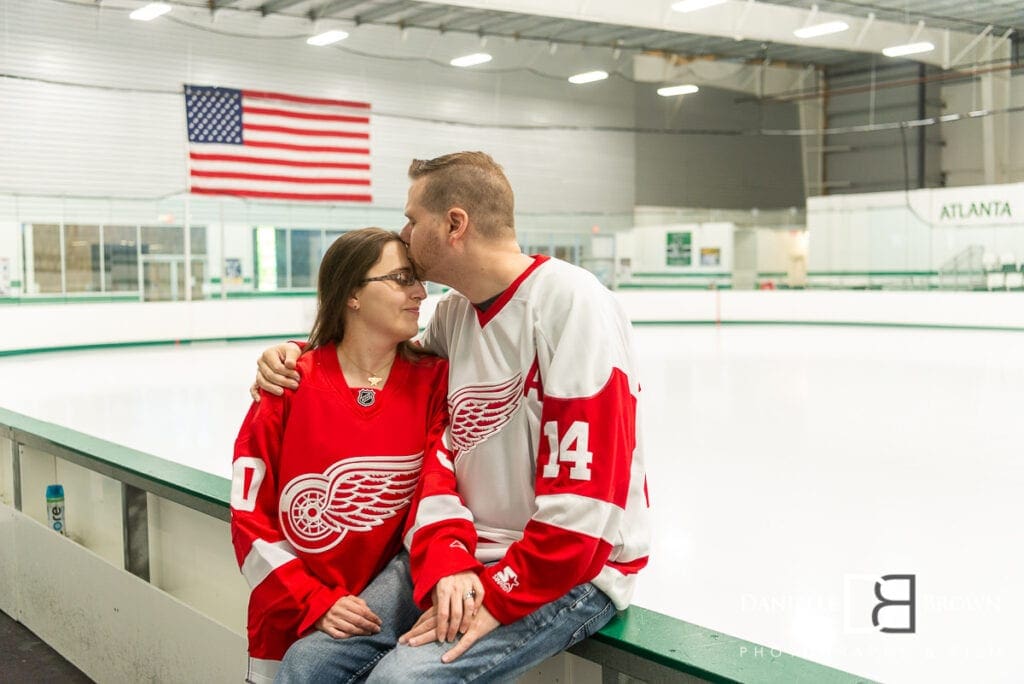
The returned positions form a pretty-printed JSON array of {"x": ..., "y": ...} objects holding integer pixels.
[{"x": 790, "y": 468}]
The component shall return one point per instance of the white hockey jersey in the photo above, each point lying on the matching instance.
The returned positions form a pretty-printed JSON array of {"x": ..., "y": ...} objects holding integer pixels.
[{"x": 548, "y": 476}]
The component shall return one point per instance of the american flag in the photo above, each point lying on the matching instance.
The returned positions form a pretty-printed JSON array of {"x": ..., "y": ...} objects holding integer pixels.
[{"x": 265, "y": 145}]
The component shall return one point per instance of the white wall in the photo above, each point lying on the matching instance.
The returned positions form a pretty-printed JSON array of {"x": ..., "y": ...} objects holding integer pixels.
[
  {"x": 777, "y": 248},
  {"x": 645, "y": 247},
  {"x": 93, "y": 124},
  {"x": 896, "y": 231},
  {"x": 97, "y": 108}
]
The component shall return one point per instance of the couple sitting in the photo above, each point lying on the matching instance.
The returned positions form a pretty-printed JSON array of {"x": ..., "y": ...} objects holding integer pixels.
[{"x": 511, "y": 472}]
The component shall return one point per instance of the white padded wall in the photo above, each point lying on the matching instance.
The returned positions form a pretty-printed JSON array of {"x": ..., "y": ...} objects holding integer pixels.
[{"x": 93, "y": 104}]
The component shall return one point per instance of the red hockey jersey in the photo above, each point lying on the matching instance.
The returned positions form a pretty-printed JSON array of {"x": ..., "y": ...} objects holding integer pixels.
[
  {"x": 547, "y": 482},
  {"x": 320, "y": 490}
]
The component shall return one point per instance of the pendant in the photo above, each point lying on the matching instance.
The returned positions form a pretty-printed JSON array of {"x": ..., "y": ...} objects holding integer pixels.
[
  {"x": 366, "y": 397},
  {"x": 374, "y": 380}
]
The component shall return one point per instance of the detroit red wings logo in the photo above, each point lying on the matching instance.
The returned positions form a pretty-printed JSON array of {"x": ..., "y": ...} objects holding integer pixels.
[
  {"x": 353, "y": 495},
  {"x": 478, "y": 411}
]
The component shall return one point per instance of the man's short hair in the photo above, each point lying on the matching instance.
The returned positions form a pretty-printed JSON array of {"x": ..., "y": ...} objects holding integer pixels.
[{"x": 472, "y": 181}]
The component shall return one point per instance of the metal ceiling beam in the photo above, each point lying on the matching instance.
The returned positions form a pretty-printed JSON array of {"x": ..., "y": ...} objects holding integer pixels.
[
  {"x": 739, "y": 20},
  {"x": 956, "y": 14},
  {"x": 466, "y": 20},
  {"x": 550, "y": 30},
  {"x": 630, "y": 35},
  {"x": 331, "y": 9},
  {"x": 379, "y": 12},
  {"x": 517, "y": 24},
  {"x": 602, "y": 36},
  {"x": 277, "y": 6},
  {"x": 573, "y": 34},
  {"x": 422, "y": 17},
  {"x": 494, "y": 19}
]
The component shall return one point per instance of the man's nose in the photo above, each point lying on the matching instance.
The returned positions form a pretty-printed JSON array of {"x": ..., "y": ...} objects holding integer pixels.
[{"x": 405, "y": 233}]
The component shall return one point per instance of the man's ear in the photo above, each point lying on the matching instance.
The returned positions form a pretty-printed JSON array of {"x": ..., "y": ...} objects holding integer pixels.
[{"x": 458, "y": 222}]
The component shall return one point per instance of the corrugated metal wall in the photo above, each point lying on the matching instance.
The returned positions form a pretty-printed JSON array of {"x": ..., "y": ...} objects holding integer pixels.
[
  {"x": 883, "y": 159},
  {"x": 710, "y": 162}
]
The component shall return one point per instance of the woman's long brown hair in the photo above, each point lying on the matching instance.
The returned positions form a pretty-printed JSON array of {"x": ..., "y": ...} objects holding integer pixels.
[{"x": 345, "y": 264}]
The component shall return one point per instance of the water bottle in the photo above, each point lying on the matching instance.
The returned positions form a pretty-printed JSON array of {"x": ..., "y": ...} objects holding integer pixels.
[{"x": 55, "y": 508}]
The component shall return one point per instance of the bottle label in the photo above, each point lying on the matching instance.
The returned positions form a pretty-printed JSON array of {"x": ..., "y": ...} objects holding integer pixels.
[{"x": 55, "y": 516}]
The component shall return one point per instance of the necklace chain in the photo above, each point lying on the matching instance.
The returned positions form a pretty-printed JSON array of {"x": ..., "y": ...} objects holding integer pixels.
[{"x": 373, "y": 377}]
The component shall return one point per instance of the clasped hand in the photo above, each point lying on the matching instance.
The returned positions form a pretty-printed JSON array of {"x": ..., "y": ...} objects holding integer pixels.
[
  {"x": 458, "y": 609},
  {"x": 349, "y": 616}
]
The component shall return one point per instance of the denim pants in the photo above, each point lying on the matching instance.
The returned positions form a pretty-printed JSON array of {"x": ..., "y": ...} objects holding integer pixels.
[
  {"x": 318, "y": 657},
  {"x": 504, "y": 654}
]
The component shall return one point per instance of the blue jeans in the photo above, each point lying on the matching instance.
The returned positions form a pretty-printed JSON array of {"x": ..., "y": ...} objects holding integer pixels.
[
  {"x": 507, "y": 652},
  {"x": 504, "y": 654},
  {"x": 318, "y": 657}
]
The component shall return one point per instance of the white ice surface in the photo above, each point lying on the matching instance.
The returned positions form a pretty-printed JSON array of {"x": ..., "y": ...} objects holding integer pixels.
[{"x": 789, "y": 468}]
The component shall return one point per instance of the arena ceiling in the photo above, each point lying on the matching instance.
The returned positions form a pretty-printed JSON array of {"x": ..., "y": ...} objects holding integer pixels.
[{"x": 966, "y": 32}]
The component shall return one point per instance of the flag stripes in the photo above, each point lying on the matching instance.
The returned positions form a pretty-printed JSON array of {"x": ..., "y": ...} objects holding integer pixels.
[{"x": 266, "y": 145}]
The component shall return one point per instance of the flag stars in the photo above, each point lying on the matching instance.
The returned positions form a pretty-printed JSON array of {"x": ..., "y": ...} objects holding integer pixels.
[{"x": 214, "y": 115}]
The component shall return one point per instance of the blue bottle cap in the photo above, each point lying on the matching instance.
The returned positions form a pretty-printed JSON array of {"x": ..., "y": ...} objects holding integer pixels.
[{"x": 55, "y": 491}]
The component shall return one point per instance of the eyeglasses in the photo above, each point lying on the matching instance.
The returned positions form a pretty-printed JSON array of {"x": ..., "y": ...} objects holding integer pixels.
[{"x": 403, "y": 278}]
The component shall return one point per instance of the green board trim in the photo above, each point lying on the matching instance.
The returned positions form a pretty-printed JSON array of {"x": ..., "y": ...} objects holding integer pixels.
[
  {"x": 656, "y": 322},
  {"x": 151, "y": 343},
  {"x": 879, "y": 273},
  {"x": 73, "y": 299},
  {"x": 839, "y": 324},
  {"x": 673, "y": 286},
  {"x": 682, "y": 274},
  {"x": 250, "y": 294},
  {"x": 134, "y": 297},
  {"x": 670, "y": 642},
  {"x": 779, "y": 274}
]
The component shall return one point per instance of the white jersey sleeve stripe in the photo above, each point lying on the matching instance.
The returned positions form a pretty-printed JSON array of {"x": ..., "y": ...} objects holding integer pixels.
[
  {"x": 617, "y": 586},
  {"x": 264, "y": 557},
  {"x": 262, "y": 671},
  {"x": 580, "y": 514},
  {"x": 433, "y": 509}
]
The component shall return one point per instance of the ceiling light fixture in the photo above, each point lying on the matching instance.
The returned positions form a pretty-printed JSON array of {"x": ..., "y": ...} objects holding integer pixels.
[
  {"x": 588, "y": 77},
  {"x": 670, "y": 91},
  {"x": 471, "y": 60},
  {"x": 821, "y": 29},
  {"x": 150, "y": 12},
  {"x": 908, "y": 49},
  {"x": 326, "y": 38},
  {"x": 694, "y": 5}
]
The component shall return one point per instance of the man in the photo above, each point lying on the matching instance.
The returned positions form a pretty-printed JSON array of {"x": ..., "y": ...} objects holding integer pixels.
[{"x": 529, "y": 532}]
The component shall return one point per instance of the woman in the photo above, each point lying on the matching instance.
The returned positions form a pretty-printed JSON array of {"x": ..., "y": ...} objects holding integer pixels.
[{"x": 323, "y": 475}]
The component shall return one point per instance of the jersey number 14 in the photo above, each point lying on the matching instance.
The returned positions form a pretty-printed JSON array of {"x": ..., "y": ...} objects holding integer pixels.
[{"x": 571, "y": 449}]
